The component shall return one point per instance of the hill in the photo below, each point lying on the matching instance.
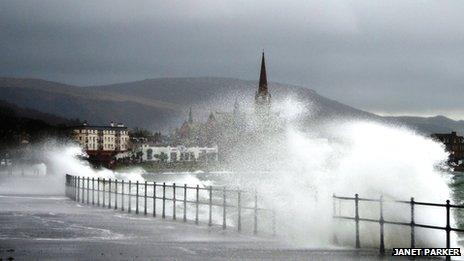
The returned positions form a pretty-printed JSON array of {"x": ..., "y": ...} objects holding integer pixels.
[
  {"x": 162, "y": 103},
  {"x": 155, "y": 103},
  {"x": 427, "y": 125},
  {"x": 83, "y": 103},
  {"x": 19, "y": 112},
  {"x": 20, "y": 124}
]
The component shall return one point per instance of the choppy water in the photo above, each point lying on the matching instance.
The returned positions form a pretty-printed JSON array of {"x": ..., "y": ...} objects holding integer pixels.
[{"x": 458, "y": 196}]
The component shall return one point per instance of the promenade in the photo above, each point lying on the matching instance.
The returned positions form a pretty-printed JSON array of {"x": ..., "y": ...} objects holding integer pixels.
[{"x": 53, "y": 227}]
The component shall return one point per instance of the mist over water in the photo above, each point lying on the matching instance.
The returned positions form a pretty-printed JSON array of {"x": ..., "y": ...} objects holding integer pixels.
[{"x": 297, "y": 167}]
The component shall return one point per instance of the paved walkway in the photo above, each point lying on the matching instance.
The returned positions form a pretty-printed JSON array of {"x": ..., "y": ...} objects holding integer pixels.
[{"x": 38, "y": 227}]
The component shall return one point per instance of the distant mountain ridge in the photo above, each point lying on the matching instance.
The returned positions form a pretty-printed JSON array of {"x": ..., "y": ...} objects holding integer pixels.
[
  {"x": 427, "y": 125},
  {"x": 19, "y": 112},
  {"x": 162, "y": 103}
]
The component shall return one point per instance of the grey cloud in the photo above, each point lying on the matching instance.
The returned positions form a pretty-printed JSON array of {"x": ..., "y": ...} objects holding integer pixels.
[{"x": 382, "y": 56}]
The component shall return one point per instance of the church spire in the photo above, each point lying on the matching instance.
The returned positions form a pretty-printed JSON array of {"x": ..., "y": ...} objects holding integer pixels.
[
  {"x": 263, "y": 97},
  {"x": 263, "y": 78}
]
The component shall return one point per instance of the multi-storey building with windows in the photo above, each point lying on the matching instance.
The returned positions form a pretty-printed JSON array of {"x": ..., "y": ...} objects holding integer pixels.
[{"x": 112, "y": 138}]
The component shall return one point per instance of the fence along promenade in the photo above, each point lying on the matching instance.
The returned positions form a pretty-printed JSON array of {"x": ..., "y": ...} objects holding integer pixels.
[
  {"x": 382, "y": 221},
  {"x": 220, "y": 203}
]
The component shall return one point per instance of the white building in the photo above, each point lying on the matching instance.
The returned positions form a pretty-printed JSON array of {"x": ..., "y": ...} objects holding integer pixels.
[{"x": 179, "y": 153}]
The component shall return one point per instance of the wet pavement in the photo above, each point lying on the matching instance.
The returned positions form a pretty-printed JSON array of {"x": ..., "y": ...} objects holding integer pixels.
[{"x": 49, "y": 227}]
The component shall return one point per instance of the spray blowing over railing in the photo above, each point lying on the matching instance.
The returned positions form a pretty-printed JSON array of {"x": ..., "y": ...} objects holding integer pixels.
[
  {"x": 206, "y": 205},
  {"x": 337, "y": 214}
]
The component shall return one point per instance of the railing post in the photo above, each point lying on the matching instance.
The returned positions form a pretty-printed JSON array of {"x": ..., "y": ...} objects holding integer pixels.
[
  {"x": 104, "y": 189},
  {"x": 339, "y": 207},
  {"x": 74, "y": 188},
  {"x": 239, "y": 210},
  {"x": 115, "y": 194},
  {"x": 129, "y": 209},
  {"x": 174, "y": 201},
  {"x": 98, "y": 191},
  {"x": 185, "y": 202},
  {"x": 68, "y": 184},
  {"x": 83, "y": 188},
  {"x": 255, "y": 223},
  {"x": 334, "y": 208},
  {"x": 334, "y": 214},
  {"x": 210, "y": 222},
  {"x": 78, "y": 188},
  {"x": 381, "y": 221},
  {"x": 197, "y": 203},
  {"x": 109, "y": 193},
  {"x": 448, "y": 225},
  {"x": 163, "y": 214},
  {"x": 88, "y": 190},
  {"x": 93, "y": 191},
  {"x": 224, "y": 208},
  {"x": 413, "y": 241},
  {"x": 122, "y": 195},
  {"x": 154, "y": 198},
  {"x": 137, "y": 197},
  {"x": 145, "y": 199},
  {"x": 356, "y": 218}
]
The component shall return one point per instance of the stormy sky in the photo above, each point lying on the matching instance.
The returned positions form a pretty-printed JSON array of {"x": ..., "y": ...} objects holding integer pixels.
[{"x": 389, "y": 57}]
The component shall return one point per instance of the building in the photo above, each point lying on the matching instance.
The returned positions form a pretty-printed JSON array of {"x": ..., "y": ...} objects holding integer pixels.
[
  {"x": 102, "y": 143},
  {"x": 114, "y": 137},
  {"x": 173, "y": 154},
  {"x": 454, "y": 145},
  {"x": 226, "y": 127}
]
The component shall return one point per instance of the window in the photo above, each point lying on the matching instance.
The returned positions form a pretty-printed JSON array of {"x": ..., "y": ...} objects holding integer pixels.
[
  {"x": 173, "y": 156},
  {"x": 149, "y": 154}
]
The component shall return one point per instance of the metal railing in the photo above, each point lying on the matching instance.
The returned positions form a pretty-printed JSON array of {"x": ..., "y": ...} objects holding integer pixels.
[
  {"x": 382, "y": 221},
  {"x": 135, "y": 196}
]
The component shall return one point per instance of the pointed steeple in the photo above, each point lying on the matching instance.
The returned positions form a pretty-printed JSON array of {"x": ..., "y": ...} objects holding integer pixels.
[
  {"x": 263, "y": 97},
  {"x": 263, "y": 78},
  {"x": 190, "y": 119}
]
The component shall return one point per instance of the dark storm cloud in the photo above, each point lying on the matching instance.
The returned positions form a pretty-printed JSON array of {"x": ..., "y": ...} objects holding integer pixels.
[{"x": 383, "y": 56}]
